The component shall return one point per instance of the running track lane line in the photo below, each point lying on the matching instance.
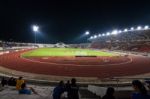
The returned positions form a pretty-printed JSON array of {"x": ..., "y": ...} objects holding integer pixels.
[{"x": 51, "y": 63}]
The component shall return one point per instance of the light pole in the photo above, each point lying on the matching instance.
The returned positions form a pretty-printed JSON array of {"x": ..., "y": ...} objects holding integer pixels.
[{"x": 35, "y": 30}]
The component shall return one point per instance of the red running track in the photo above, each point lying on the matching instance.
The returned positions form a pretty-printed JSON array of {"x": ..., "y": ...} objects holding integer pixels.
[{"x": 139, "y": 65}]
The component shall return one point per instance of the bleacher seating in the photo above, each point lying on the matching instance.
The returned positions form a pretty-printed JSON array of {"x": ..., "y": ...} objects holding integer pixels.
[
  {"x": 120, "y": 92},
  {"x": 11, "y": 93}
]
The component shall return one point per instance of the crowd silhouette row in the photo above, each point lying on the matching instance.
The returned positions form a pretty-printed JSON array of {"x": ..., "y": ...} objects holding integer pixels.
[{"x": 70, "y": 89}]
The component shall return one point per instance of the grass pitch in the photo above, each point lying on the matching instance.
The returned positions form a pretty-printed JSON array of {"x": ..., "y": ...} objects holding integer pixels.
[{"x": 65, "y": 52}]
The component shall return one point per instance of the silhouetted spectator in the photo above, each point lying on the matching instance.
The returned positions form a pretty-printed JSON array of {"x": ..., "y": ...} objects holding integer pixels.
[
  {"x": 67, "y": 87},
  {"x": 73, "y": 92},
  {"x": 3, "y": 82},
  {"x": 58, "y": 90},
  {"x": 25, "y": 90},
  {"x": 140, "y": 91},
  {"x": 12, "y": 81},
  {"x": 19, "y": 82},
  {"x": 148, "y": 84},
  {"x": 109, "y": 93}
]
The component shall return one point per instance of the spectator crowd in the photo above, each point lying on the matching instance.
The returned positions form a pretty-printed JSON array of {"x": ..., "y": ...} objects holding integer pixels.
[{"x": 70, "y": 89}]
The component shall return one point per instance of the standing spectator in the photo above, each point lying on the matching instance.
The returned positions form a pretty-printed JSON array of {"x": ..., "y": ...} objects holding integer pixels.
[
  {"x": 58, "y": 90},
  {"x": 140, "y": 90},
  {"x": 109, "y": 93},
  {"x": 3, "y": 82},
  {"x": 19, "y": 82},
  {"x": 73, "y": 92}
]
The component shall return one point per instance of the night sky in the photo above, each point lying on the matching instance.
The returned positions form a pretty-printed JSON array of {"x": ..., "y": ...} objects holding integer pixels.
[{"x": 67, "y": 20}]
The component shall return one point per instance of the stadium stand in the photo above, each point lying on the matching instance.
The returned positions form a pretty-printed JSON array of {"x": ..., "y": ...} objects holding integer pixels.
[
  {"x": 45, "y": 91},
  {"x": 138, "y": 41},
  {"x": 123, "y": 40},
  {"x": 120, "y": 92}
]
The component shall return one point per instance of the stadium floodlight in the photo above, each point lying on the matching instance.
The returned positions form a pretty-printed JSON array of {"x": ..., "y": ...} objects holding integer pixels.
[
  {"x": 125, "y": 30},
  {"x": 103, "y": 34},
  {"x": 91, "y": 37},
  {"x": 87, "y": 33},
  {"x": 139, "y": 28},
  {"x": 35, "y": 28},
  {"x": 114, "y": 32},
  {"x": 107, "y": 33},
  {"x": 99, "y": 35},
  {"x": 146, "y": 27},
  {"x": 95, "y": 36},
  {"x": 132, "y": 28},
  {"x": 119, "y": 31}
]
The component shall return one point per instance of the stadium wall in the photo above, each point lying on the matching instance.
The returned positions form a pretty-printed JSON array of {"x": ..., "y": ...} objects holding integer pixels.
[
  {"x": 22, "y": 47},
  {"x": 1, "y": 48}
]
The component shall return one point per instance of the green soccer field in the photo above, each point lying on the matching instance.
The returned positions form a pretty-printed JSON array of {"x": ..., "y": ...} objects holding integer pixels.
[{"x": 65, "y": 52}]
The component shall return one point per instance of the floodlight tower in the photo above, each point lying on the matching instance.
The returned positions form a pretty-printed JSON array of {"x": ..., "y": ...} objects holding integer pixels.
[{"x": 35, "y": 29}]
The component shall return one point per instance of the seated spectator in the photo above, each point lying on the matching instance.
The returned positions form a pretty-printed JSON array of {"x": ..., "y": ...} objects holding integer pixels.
[
  {"x": 140, "y": 90},
  {"x": 148, "y": 84},
  {"x": 73, "y": 92},
  {"x": 58, "y": 90},
  {"x": 12, "y": 81},
  {"x": 109, "y": 93},
  {"x": 19, "y": 82},
  {"x": 67, "y": 86},
  {"x": 25, "y": 90},
  {"x": 3, "y": 82}
]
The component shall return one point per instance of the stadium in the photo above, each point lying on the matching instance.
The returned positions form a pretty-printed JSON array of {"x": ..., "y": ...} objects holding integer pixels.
[
  {"x": 110, "y": 58},
  {"x": 98, "y": 59},
  {"x": 74, "y": 49}
]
